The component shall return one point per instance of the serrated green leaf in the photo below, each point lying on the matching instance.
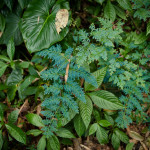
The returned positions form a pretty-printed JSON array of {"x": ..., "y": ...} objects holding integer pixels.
[
  {"x": 115, "y": 141},
  {"x": 109, "y": 118},
  {"x": 11, "y": 92},
  {"x": 4, "y": 58},
  {"x": 86, "y": 111},
  {"x": 35, "y": 120},
  {"x": 53, "y": 143},
  {"x": 122, "y": 136},
  {"x": 121, "y": 13},
  {"x": 96, "y": 114},
  {"x": 11, "y": 49},
  {"x": 125, "y": 4},
  {"x": 1, "y": 140},
  {"x": 2, "y": 109},
  {"x": 129, "y": 146},
  {"x": 3, "y": 67},
  {"x": 42, "y": 143},
  {"x": 139, "y": 39},
  {"x": 148, "y": 28},
  {"x": 104, "y": 123},
  {"x": 13, "y": 116},
  {"x": 93, "y": 128},
  {"x": 106, "y": 100},
  {"x": 102, "y": 135},
  {"x": 39, "y": 24},
  {"x": 34, "y": 132},
  {"x": 24, "y": 64},
  {"x": 79, "y": 125},
  {"x": 16, "y": 133},
  {"x": 99, "y": 75},
  {"x": 109, "y": 11},
  {"x": 64, "y": 133}
]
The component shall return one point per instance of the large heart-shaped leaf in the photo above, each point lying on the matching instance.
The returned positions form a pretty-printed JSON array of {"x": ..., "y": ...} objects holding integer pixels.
[
  {"x": 106, "y": 100},
  {"x": 38, "y": 25}
]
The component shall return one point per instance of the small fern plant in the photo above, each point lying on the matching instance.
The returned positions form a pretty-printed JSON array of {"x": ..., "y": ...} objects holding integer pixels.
[{"x": 62, "y": 90}]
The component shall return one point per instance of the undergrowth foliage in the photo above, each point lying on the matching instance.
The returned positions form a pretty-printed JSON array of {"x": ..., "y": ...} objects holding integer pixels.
[{"x": 61, "y": 94}]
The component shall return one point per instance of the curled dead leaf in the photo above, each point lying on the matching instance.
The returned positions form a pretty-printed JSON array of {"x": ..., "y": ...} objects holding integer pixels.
[{"x": 61, "y": 19}]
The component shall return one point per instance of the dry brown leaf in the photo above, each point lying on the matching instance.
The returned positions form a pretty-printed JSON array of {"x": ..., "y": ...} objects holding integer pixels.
[
  {"x": 61, "y": 19},
  {"x": 1, "y": 34},
  {"x": 24, "y": 107}
]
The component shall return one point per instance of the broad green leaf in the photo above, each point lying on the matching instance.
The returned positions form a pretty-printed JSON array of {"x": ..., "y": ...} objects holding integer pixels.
[
  {"x": 38, "y": 25},
  {"x": 122, "y": 136},
  {"x": 148, "y": 28},
  {"x": 129, "y": 146},
  {"x": 9, "y": 3},
  {"x": 3, "y": 67},
  {"x": 121, "y": 13},
  {"x": 11, "y": 49},
  {"x": 79, "y": 125},
  {"x": 109, "y": 11},
  {"x": 42, "y": 143},
  {"x": 34, "y": 132},
  {"x": 64, "y": 133},
  {"x": 11, "y": 92},
  {"x": 24, "y": 64},
  {"x": 125, "y": 4},
  {"x": 4, "y": 58},
  {"x": 35, "y": 119},
  {"x": 2, "y": 23},
  {"x": 99, "y": 75},
  {"x": 96, "y": 114},
  {"x": 106, "y": 100},
  {"x": 109, "y": 118},
  {"x": 102, "y": 135},
  {"x": 86, "y": 111},
  {"x": 13, "y": 116},
  {"x": 1, "y": 140},
  {"x": 115, "y": 141},
  {"x": 53, "y": 143},
  {"x": 136, "y": 136},
  {"x": 23, "y": 3},
  {"x": 15, "y": 77},
  {"x": 93, "y": 128},
  {"x": 12, "y": 30},
  {"x": 16, "y": 133},
  {"x": 104, "y": 123},
  {"x": 2, "y": 109}
]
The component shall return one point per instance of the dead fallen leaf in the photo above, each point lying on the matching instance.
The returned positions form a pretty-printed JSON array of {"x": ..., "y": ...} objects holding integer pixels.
[
  {"x": 61, "y": 19},
  {"x": 136, "y": 136},
  {"x": 24, "y": 107}
]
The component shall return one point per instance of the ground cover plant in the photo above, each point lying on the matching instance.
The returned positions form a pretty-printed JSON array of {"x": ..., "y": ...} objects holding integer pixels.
[{"x": 74, "y": 74}]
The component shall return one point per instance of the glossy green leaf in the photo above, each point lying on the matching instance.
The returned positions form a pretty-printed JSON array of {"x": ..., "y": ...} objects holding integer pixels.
[
  {"x": 122, "y": 136},
  {"x": 53, "y": 143},
  {"x": 109, "y": 11},
  {"x": 23, "y": 3},
  {"x": 16, "y": 133},
  {"x": 125, "y": 4},
  {"x": 115, "y": 141},
  {"x": 34, "y": 132},
  {"x": 11, "y": 49},
  {"x": 4, "y": 58},
  {"x": 12, "y": 30},
  {"x": 13, "y": 116},
  {"x": 104, "y": 123},
  {"x": 42, "y": 143},
  {"x": 99, "y": 75},
  {"x": 102, "y": 135},
  {"x": 38, "y": 26},
  {"x": 106, "y": 100},
  {"x": 64, "y": 133},
  {"x": 129, "y": 146},
  {"x": 79, "y": 125},
  {"x": 96, "y": 114},
  {"x": 93, "y": 128},
  {"x": 109, "y": 118},
  {"x": 86, "y": 111},
  {"x": 11, "y": 92},
  {"x": 35, "y": 119}
]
